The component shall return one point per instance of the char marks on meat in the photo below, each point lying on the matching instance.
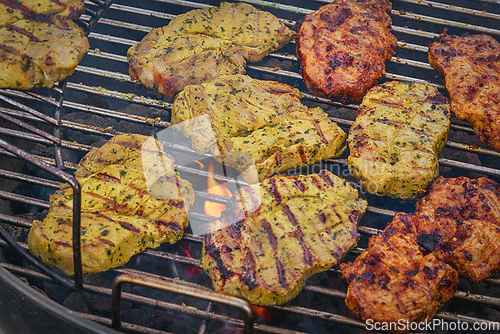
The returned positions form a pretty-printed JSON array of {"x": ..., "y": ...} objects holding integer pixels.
[
  {"x": 132, "y": 199},
  {"x": 470, "y": 66},
  {"x": 399, "y": 131},
  {"x": 392, "y": 280},
  {"x": 257, "y": 127},
  {"x": 459, "y": 221},
  {"x": 343, "y": 46},
  {"x": 39, "y": 42},
  {"x": 281, "y": 240},
  {"x": 202, "y": 44}
]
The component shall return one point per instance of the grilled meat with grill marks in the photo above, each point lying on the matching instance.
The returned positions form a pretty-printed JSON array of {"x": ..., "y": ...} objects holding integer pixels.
[
  {"x": 203, "y": 44},
  {"x": 244, "y": 122},
  {"x": 132, "y": 199},
  {"x": 393, "y": 280},
  {"x": 39, "y": 43},
  {"x": 459, "y": 221},
  {"x": 15, "y": 10},
  {"x": 343, "y": 46},
  {"x": 394, "y": 143},
  {"x": 277, "y": 233},
  {"x": 470, "y": 65}
]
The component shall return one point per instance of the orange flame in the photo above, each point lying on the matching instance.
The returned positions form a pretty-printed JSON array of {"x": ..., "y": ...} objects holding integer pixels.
[
  {"x": 263, "y": 312},
  {"x": 214, "y": 209},
  {"x": 191, "y": 271}
]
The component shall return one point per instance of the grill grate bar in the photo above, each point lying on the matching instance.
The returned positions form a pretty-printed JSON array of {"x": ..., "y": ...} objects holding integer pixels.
[
  {"x": 34, "y": 112},
  {"x": 42, "y": 158},
  {"x": 118, "y": 95},
  {"x": 27, "y": 95},
  {"x": 118, "y": 77},
  {"x": 292, "y": 309},
  {"x": 453, "y": 8},
  {"x": 24, "y": 199},
  {"x": 449, "y": 23}
]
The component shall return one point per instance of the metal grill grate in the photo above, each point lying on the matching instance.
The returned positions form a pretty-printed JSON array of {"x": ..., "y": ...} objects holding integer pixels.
[{"x": 100, "y": 100}]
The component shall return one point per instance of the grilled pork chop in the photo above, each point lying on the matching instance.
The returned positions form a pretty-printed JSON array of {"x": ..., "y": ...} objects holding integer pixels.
[
  {"x": 470, "y": 66},
  {"x": 394, "y": 143},
  {"x": 459, "y": 221},
  {"x": 277, "y": 233},
  {"x": 15, "y": 10},
  {"x": 132, "y": 199},
  {"x": 39, "y": 43},
  {"x": 393, "y": 281},
  {"x": 343, "y": 46},
  {"x": 245, "y": 122},
  {"x": 203, "y": 44}
]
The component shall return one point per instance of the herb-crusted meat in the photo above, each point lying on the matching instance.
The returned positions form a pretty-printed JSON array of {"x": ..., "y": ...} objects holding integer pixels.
[
  {"x": 245, "y": 122},
  {"x": 203, "y": 44},
  {"x": 394, "y": 143},
  {"x": 392, "y": 280},
  {"x": 470, "y": 65},
  {"x": 15, "y": 10},
  {"x": 39, "y": 43},
  {"x": 343, "y": 46},
  {"x": 277, "y": 233},
  {"x": 132, "y": 199},
  {"x": 459, "y": 221}
]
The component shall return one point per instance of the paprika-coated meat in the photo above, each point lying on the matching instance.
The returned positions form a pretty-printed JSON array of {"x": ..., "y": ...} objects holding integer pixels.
[
  {"x": 470, "y": 66},
  {"x": 393, "y": 282},
  {"x": 459, "y": 221},
  {"x": 342, "y": 48}
]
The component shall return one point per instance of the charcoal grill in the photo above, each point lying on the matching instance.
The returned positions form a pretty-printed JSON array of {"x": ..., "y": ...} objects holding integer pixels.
[{"x": 45, "y": 132}]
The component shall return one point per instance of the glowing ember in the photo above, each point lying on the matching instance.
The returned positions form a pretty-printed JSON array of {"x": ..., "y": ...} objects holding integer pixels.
[
  {"x": 191, "y": 271},
  {"x": 214, "y": 209},
  {"x": 263, "y": 312}
]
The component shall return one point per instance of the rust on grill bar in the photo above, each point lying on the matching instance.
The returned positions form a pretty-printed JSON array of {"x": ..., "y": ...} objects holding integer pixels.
[{"x": 56, "y": 127}]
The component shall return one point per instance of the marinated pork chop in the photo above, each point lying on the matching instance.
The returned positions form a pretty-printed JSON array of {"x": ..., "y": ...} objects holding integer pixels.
[
  {"x": 203, "y": 44},
  {"x": 399, "y": 131},
  {"x": 39, "y": 43},
  {"x": 246, "y": 123},
  {"x": 15, "y": 10},
  {"x": 343, "y": 46},
  {"x": 277, "y": 233},
  {"x": 132, "y": 199},
  {"x": 392, "y": 281},
  {"x": 470, "y": 65},
  {"x": 459, "y": 221}
]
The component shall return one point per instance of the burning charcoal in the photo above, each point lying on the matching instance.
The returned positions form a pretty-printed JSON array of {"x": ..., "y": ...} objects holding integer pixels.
[
  {"x": 76, "y": 302},
  {"x": 137, "y": 316},
  {"x": 56, "y": 292},
  {"x": 492, "y": 314}
]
